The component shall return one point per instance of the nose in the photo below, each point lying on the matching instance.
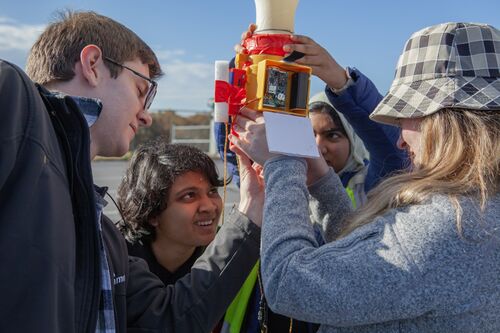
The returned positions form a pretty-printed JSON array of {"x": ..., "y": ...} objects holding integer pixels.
[
  {"x": 208, "y": 204},
  {"x": 321, "y": 145},
  {"x": 401, "y": 144},
  {"x": 145, "y": 118}
]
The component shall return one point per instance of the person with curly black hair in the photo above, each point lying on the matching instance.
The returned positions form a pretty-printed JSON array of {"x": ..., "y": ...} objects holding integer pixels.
[{"x": 171, "y": 206}]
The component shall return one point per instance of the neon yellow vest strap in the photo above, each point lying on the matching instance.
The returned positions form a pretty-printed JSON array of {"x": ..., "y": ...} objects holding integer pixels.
[
  {"x": 236, "y": 311},
  {"x": 350, "y": 193}
]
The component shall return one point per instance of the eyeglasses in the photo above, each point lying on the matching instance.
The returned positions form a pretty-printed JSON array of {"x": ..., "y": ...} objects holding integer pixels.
[{"x": 153, "y": 86}]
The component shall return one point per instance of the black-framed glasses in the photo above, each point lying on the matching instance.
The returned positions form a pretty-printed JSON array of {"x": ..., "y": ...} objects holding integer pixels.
[{"x": 153, "y": 86}]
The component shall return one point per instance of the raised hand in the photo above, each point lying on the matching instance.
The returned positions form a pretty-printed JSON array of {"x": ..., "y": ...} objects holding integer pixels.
[
  {"x": 251, "y": 139},
  {"x": 321, "y": 62},
  {"x": 239, "y": 48},
  {"x": 316, "y": 168},
  {"x": 251, "y": 187}
]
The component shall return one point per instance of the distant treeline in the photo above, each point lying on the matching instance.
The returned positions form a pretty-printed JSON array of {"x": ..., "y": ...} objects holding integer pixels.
[{"x": 162, "y": 125}]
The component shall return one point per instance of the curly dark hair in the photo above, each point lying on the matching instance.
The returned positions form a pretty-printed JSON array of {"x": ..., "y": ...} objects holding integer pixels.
[{"x": 143, "y": 192}]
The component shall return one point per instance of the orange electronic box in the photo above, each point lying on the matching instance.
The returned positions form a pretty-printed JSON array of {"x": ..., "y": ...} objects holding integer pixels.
[{"x": 263, "y": 79}]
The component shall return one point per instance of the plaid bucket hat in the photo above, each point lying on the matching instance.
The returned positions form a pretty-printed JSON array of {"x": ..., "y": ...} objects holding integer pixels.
[{"x": 446, "y": 65}]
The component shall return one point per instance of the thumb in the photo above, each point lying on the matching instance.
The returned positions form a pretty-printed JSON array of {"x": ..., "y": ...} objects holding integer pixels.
[
  {"x": 243, "y": 159},
  {"x": 238, "y": 146}
]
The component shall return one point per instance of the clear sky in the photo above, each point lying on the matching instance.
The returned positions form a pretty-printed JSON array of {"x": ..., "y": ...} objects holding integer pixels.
[{"x": 189, "y": 35}]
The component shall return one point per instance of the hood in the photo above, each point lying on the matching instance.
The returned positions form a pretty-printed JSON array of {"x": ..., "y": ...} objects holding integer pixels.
[{"x": 358, "y": 153}]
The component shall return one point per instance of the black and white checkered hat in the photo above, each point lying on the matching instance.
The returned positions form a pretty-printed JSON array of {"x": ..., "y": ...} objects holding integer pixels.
[{"x": 446, "y": 65}]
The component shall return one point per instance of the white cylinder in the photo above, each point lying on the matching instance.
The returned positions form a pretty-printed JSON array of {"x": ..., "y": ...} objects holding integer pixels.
[
  {"x": 275, "y": 16},
  {"x": 221, "y": 112},
  {"x": 221, "y": 109},
  {"x": 222, "y": 70}
]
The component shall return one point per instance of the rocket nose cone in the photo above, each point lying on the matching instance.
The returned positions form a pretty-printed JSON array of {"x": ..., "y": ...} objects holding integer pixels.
[{"x": 275, "y": 15}]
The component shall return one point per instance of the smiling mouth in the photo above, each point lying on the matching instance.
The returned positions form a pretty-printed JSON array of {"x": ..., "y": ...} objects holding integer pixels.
[
  {"x": 133, "y": 128},
  {"x": 204, "y": 223}
]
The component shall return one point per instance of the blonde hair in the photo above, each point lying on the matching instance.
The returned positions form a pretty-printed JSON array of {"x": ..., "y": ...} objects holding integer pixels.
[{"x": 460, "y": 156}]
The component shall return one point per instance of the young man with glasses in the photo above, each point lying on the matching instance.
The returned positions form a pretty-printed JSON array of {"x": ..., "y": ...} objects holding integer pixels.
[
  {"x": 150, "y": 93},
  {"x": 65, "y": 266}
]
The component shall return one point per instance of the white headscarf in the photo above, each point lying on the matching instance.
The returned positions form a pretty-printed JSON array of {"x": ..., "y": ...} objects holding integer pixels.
[{"x": 357, "y": 153}]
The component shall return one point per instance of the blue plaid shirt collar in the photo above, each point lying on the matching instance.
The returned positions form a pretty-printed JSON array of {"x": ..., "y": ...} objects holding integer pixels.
[
  {"x": 90, "y": 107},
  {"x": 106, "y": 315}
]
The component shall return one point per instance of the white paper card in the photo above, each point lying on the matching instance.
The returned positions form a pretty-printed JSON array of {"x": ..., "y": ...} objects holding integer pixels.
[{"x": 290, "y": 135}]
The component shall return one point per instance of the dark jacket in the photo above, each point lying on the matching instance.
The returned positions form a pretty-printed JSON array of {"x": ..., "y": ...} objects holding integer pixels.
[
  {"x": 194, "y": 303},
  {"x": 50, "y": 276},
  {"x": 144, "y": 251}
]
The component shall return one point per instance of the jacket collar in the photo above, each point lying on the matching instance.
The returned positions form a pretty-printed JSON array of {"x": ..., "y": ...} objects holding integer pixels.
[
  {"x": 90, "y": 107},
  {"x": 100, "y": 192}
]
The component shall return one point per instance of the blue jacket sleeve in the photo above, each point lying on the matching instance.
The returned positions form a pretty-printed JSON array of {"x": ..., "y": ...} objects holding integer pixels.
[{"x": 356, "y": 104}]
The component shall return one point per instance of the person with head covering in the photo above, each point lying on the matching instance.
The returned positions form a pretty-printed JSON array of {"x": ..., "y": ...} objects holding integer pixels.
[
  {"x": 340, "y": 146},
  {"x": 423, "y": 254},
  {"x": 360, "y": 163},
  {"x": 345, "y": 152}
]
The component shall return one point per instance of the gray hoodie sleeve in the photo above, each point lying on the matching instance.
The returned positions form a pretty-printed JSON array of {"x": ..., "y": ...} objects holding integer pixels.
[
  {"x": 363, "y": 278},
  {"x": 328, "y": 204},
  {"x": 409, "y": 266}
]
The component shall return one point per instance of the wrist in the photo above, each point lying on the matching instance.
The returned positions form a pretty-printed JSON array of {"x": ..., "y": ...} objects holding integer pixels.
[
  {"x": 252, "y": 209},
  {"x": 337, "y": 78},
  {"x": 248, "y": 206},
  {"x": 348, "y": 82},
  {"x": 317, "y": 169}
]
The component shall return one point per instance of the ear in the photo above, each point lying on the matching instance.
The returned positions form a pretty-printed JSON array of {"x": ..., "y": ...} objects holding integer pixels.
[
  {"x": 92, "y": 64},
  {"x": 154, "y": 222}
]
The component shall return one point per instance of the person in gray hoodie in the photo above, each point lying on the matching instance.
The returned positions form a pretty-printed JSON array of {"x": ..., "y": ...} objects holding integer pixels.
[{"x": 423, "y": 254}]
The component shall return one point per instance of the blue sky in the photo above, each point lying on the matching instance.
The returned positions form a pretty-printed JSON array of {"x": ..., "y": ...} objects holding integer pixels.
[{"x": 189, "y": 35}]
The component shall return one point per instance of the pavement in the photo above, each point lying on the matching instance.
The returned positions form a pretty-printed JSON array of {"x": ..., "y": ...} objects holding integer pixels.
[{"x": 110, "y": 172}]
